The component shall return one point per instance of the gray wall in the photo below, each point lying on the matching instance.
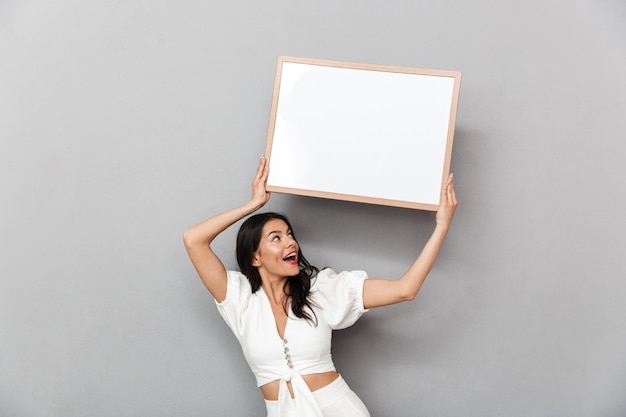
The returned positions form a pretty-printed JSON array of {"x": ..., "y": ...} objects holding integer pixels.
[{"x": 125, "y": 122}]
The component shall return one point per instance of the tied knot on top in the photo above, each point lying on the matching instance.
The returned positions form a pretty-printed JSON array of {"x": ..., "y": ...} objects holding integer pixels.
[{"x": 289, "y": 375}]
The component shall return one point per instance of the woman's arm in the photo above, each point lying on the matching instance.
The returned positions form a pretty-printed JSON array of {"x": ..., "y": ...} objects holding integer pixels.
[
  {"x": 198, "y": 239},
  {"x": 381, "y": 292}
]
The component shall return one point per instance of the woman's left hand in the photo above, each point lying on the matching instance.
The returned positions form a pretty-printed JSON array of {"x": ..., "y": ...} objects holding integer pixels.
[
  {"x": 447, "y": 204},
  {"x": 382, "y": 292}
]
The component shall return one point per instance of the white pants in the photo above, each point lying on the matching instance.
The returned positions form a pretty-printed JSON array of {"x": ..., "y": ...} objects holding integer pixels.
[{"x": 335, "y": 400}]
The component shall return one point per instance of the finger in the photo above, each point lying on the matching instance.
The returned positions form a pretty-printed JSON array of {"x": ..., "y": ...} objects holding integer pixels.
[
  {"x": 260, "y": 168},
  {"x": 266, "y": 169},
  {"x": 445, "y": 190},
  {"x": 452, "y": 194},
  {"x": 452, "y": 199}
]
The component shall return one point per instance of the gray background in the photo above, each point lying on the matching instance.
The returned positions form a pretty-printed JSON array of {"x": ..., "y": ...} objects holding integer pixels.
[{"x": 122, "y": 123}]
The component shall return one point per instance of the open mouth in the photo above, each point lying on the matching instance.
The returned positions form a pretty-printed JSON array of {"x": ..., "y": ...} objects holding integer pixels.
[{"x": 291, "y": 258}]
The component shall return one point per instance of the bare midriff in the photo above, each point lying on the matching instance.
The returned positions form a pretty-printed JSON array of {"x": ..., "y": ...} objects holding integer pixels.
[{"x": 313, "y": 381}]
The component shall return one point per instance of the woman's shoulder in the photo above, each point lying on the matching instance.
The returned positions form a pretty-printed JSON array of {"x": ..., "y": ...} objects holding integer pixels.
[
  {"x": 339, "y": 296},
  {"x": 328, "y": 276},
  {"x": 328, "y": 282},
  {"x": 237, "y": 278},
  {"x": 238, "y": 286}
]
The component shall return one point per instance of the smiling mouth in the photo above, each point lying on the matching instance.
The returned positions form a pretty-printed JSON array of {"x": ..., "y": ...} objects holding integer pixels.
[{"x": 290, "y": 258}]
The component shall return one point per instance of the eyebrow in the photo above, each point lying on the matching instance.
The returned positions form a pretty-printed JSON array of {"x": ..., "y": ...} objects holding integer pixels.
[{"x": 279, "y": 232}]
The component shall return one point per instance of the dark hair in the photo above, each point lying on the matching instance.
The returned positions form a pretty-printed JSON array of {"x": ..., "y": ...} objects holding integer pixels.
[{"x": 248, "y": 240}]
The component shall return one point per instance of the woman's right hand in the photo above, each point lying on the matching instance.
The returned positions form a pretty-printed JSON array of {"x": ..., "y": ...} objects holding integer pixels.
[
  {"x": 260, "y": 195},
  {"x": 198, "y": 239}
]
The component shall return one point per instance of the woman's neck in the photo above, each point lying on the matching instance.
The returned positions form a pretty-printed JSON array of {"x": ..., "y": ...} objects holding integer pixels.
[{"x": 275, "y": 289}]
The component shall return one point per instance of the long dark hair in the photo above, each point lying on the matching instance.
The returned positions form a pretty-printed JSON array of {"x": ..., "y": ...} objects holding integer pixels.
[{"x": 299, "y": 287}]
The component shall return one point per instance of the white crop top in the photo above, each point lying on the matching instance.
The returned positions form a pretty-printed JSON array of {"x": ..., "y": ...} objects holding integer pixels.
[{"x": 305, "y": 348}]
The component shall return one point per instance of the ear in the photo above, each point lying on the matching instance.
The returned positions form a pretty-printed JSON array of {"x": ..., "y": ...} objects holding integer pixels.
[{"x": 256, "y": 261}]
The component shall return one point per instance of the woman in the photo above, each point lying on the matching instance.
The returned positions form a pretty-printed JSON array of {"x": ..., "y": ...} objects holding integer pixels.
[{"x": 283, "y": 310}]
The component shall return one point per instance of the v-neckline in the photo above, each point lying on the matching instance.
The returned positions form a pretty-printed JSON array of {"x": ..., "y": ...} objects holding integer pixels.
[{"x": 276, "y": 329}]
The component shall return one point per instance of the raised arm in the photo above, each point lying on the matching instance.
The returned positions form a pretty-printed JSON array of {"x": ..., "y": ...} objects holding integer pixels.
[
  {"x": 381, "y": 292},
  {"x": 198, "y": 239}
]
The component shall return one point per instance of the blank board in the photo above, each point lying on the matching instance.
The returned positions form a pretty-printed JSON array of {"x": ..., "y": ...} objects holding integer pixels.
[{"x": 359, "y": 132}]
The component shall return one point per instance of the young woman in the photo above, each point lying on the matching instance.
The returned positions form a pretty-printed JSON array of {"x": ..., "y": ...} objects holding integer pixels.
[{"x": 283, "y": 310}]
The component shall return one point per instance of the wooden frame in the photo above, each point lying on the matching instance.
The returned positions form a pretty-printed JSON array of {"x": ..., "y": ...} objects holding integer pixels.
[{"x": 359, "y": 132}]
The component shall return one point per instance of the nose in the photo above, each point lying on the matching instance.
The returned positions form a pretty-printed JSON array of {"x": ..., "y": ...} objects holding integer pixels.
[{"x": 291, "y": 242}]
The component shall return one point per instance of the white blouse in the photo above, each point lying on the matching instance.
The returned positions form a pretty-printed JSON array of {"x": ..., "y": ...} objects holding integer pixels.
[{"x": 305, "y": 349}]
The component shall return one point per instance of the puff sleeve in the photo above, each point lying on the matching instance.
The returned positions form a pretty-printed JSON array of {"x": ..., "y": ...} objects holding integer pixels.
[
  {"x": 340, "y": 296},
  {"x": 238, "y": 293}
]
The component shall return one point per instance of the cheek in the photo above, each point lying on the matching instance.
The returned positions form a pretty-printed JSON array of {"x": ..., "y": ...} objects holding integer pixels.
[
  {"x": 272, "y": 247},
  {"x": 268, "y": 252}
]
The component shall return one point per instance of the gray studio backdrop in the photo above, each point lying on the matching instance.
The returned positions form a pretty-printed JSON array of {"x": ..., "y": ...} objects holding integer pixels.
[{"x": 122, "y": 123}]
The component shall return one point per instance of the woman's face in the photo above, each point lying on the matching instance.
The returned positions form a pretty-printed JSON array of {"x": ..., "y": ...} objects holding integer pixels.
[{"x": 277, "y": 256}]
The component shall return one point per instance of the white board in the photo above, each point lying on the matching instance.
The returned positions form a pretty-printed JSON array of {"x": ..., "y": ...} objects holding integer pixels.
[{"x": 367, "y": 133}]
